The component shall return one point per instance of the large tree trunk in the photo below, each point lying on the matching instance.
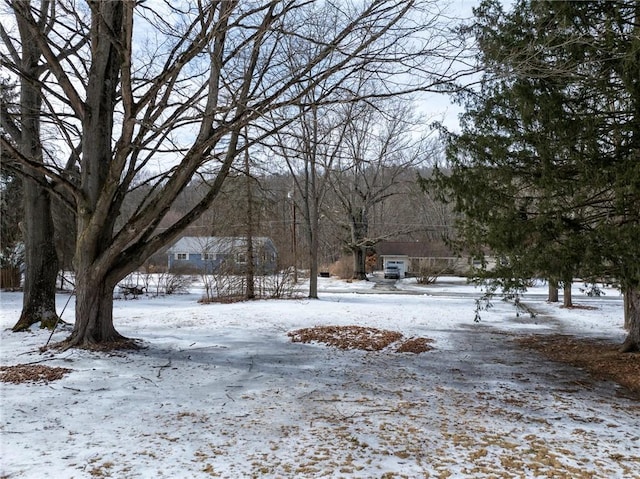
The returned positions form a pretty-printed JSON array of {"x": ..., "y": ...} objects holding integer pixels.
[
  {"x": 632, "y": 341},
  {"x": 359, "y": 263},
  {"x": 553, "y": 291},
  {"x": 94, "y": 314},
  {"x": 566, "y": 295},
  {"x": 627, "y": 309},
  {"x": 39, "y": 300},
  {"x": 313, "y": 269},
  {"x": 359, "y": 231},
  {"x": 93, "y": 261}
]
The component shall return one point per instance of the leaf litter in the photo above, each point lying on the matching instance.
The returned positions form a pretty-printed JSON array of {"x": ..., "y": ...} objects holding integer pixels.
[{"x": 222, "y": 391}]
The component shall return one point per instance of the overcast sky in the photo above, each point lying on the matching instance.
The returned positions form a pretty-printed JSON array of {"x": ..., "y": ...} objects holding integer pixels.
[{"x": 439, "y": 107}]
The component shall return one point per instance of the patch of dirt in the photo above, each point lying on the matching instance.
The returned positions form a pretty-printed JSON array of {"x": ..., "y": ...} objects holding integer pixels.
[
  {"x": 359, "y": 337},
  {"x": 114, "y": 346},
  {"x": 31, "y": 373},
  {"x": 600, "y": 358}
]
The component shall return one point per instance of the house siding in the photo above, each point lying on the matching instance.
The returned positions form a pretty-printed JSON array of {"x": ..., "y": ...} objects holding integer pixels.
[{"x": 225, "y": 253}]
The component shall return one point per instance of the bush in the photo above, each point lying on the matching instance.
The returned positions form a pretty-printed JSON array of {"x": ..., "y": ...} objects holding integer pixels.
[
  {"x": 429, "y": 274},
  {"x": 280, "y": 285},
  {"x": 343, "y": 268},
  {"x": 169, "y": 283},
  {"x": 223, "y": 287}
]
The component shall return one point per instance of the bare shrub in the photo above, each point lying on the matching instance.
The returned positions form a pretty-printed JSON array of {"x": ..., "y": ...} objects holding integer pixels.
[
  {"x": 209, "y": 283},
  {"x": 170, "y": 283},
  {"x": 343, "y": 268},
  {"x": 279, "y": 285},
  {"x": 223, "y": 285},
  {"x": 429, "y": 273}
]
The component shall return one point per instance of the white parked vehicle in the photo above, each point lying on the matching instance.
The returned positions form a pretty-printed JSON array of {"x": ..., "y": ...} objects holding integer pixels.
[{"x": 391, "y": 272}]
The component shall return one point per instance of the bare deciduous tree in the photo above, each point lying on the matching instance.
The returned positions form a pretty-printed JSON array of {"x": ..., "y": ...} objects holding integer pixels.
[
  {"x": 380, "y": 145},
  {"x": 24, "y": 57},
  {"x": 325, "y": 118},
  {"x": 171, "y": 88}
]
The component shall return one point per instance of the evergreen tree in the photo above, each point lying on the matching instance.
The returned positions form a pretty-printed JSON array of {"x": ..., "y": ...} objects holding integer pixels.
[
  {"x": 545, "y": 171},
  {"x": 11, "y": 212}
]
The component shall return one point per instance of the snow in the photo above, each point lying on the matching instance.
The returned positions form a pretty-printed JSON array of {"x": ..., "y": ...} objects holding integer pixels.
[{"x": 221, "y": 391}]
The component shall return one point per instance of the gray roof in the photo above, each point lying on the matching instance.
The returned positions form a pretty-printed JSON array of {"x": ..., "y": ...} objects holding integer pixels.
[
  {"x": 214, "y": 244},
  {"x": 414, "y": 249}
]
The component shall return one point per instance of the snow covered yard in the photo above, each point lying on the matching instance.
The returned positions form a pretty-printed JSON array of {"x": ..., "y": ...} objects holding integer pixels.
[{"x": 221, "y": 391}]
